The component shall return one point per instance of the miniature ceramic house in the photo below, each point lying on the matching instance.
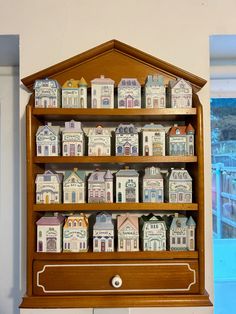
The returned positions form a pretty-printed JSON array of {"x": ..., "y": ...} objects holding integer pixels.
[
  {"x": 74, "y": 94},
  {"x": 103, "y": 233},
  {"x": 180, "y": 140},
  {"x": 127, "y": 142},
  {"x": 48, "y": 140},
  {"x": 153, "y": 140},
  {"x": 74, "y": 187},
  {"x": 129, "y": 93},
  {"x": 128, "y": 233},
  {"x": 179, "y": 186},
  {"x": 49, "y": 233},
  {"x": 127, "y": 186},
  {"x": 155, "y": 92},
  {"x": 48, "y": 187},
  {"x": 99, "y": 141},
  {"x": 153, "y": 186},
  {"x": 75, "y": 234},
  {"x": 73, "y": 139},
  {"x": 182, "y": 233},
  {"x": 100, "y": 187},
  {"x": 179, "y": 94},
  {"x": 47, "y": 93},
  {"x": 102, "y": 93},
  {"x": 153, "y": 233}
]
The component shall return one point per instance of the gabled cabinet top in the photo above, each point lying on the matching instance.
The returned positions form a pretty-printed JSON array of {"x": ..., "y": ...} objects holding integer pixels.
[{"x": 116, "y": 60}]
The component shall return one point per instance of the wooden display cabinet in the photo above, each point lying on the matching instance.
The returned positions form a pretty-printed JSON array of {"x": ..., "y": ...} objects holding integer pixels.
[{"x": 117, "y": 279}]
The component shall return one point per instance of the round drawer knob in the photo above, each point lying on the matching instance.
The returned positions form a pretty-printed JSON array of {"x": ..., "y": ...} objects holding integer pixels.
[{"x": 116, "y": 281}]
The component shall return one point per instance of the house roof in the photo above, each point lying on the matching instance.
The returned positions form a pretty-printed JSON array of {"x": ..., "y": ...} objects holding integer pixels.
[
  {"x": 80, "y": 174},
  {"x": 153, "y": 127},
  {"x": 107, "y": 224},
  {"x": 152, "y": 173},
  {"x": 59, "y": 176},
  {"x": 102, "y": 80},
  {"x": 179, "y": 174},
  {"x": 173, "y": 83},
  {"x": 129, "y": 82},
  {"x": 191, "y": 222},
  {"x": 70, "y": 84},
  {"x": 183, "y": 130},
  {"x": 126, "y": 128},
  {"x": 179, "y": 222},
  {"x": 76, "y": 129},
  {"x": 98, "y": 131},
  {"x": 77, "y": 217},
  {"x": 50, "y": 220},
  {"x": 100, "y": 176},
  {"x": 52, "y": 83},
  {"x": 154, "y": 80},
  {"x": 94, "y": 61},
  {"x": 122, "y": 220},
  {"x": 55, "y": 129},
  {"x": 127, "y": 173},
  {"x": 150, "y": 218}
]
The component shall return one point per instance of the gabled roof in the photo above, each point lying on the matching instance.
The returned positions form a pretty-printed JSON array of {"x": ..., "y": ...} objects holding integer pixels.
[
  {"x": 182, "y": 129},
  {"x": 79, "y": 174},
  {"x": 50, "y": 220},
  {"x": 54, "y": 129},
  {"x": 191, "y": 222},
  {"x": 150, "y": 218},
  {"x": 106, "y": 225},
  {"x": 100, "y": 176},
  {"x": 125, "y": 219},
  {"x": 93, "y": 62},
  {"x": 173, "y": 83},
  {"x": 50, "y": 173}
]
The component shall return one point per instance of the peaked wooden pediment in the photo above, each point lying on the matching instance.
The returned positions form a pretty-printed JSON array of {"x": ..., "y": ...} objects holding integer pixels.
[{"x": 113, "y": 59}]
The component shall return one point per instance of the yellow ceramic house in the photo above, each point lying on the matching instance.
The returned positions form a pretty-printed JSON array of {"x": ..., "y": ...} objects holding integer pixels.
[
  {"x": 74, "y": 94},
  {"x": 76, "y": 233}
]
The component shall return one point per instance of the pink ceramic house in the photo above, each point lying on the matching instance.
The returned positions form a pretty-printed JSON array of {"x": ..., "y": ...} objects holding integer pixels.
[
  {"x": 100, "y": 187},
  {"x": 49, "y": 233},
  {"x": 128, "y": 233},
  {"x": 102, "y": 93}
]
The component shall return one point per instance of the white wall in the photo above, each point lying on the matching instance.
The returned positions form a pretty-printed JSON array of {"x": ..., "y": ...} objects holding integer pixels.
[{"x": 175, "y": 31}]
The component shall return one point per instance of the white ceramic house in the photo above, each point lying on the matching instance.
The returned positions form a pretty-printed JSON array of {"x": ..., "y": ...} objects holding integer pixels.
[
  {"x": 178, "y": 186},
  {"x": 129, "y": 93},
  {"x": 128, "y": 233},
  {"x": 127, "y": 186},
  {"x": 182, "y": 233},
  {"x": 49, "y": 234},
  {"x": 74, "y": 94},
  {"x": 74, "y": 187},
  {"x": 48, "y": 139},
  {"x": 179, "y": 94},
  {"x": 153, "y": 233},
  {"x": 99, "y": 141},
  {"x": 127, "y": 141},
  {"x": 155, "y": 92},
  {"x": 153, "y": 140},
  {"x": 153, "y": 186},
  {"x": 103, "y": 233},
  {"x": 76, "y": 233},
  {"x": 100, "y": 187},
  {"x": 48, "y": 187},
  {"x": 102, "y": 93},
  {"x": 180, "y": 140},
  {"x": 73, "y": 142},
  {"x": 47, "y": 93}
]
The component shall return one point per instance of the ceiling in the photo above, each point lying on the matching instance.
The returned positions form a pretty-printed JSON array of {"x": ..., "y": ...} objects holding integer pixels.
[{"x": 9, "y": 50}]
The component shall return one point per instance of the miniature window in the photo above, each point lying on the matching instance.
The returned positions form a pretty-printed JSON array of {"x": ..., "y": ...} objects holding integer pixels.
[
  {"x": 178, "y": 240},
  {"x": 53, "y": 149},
  {"x": 39, "y": 149},
  {"x": 126, "y": 130},
  {"x": 75, "y": 224},
  {"x": 135, "y": 244},
  {"x": 46, "y": 132},
  {"x": 65, "y": 148},
  {"x": 177, "y": 131},
  {"x": 129, "y": 83},
  {"x": 103, "y": 218},
  {"x": 131, "y": 130},
  {"x": 149, "y": 101},
  {"x": 121, "y": 243},
  {"x": 173, "y": 240},
  {"x": 134, "y": 83},
  {"x": 119, "y": 150},
  {"x": 72, "y": 124},
  {"x": 122, "y": 103},
  {"x": 136, "y": 102},
  {"x": 106, "y": 102},
  {"x": 184, "y": 240},
  {"x": 94, "y": 92},
  {"x": 70, "y": 224},
  {"x": 146, "y": 138},
  {"x": 110, "y": 243},
  {"x": 134, "y": 150},
  {"x": 40, "y": 234}
]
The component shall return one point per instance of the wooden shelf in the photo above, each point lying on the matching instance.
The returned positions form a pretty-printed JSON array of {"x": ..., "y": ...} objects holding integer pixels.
[
  {"x": 117, "y": 255},
  {"x": 116, "y": 207},
  {"x": 114, "y": 159},
  {"x": 88, "y": 114}
]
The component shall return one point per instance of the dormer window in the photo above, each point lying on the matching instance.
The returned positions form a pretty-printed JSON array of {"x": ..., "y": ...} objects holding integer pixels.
[
  {"x": 72, "y": 124},
  {"x": 177, "y": 132},
  {"x": 46, "y": 132}
]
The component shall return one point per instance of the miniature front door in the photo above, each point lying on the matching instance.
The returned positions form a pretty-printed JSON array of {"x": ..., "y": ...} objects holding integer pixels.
[
  {"x": 47, "y": 201},
  {"x": 155, "y": 102},
  {"x": 129, "y": 102},
  {"x": 99, "y": 151},
  {"x": 153, "y": 196},
  {"x": 51, "y": 245},
  {"x": 40, "y": 246},
  {"x": 128, "y": 245},
  {"x": 103, "y": 246},
  {"x": 73, "y": 196},
  {"x": 130, "y": 195},
  {"x": 46, "y": 151},
  {"x": 72, "y": 149},
  {"x": 146, "y": 150}
]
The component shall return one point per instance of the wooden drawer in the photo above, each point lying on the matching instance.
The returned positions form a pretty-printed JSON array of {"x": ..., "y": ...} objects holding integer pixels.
[{"x": 152, "y": 277}]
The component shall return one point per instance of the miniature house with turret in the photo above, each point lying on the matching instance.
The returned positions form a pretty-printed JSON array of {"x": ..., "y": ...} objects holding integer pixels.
[
  {"x": 128, "y": 233},
  {"x": 48, "y": 187},
  {"x": 155, "y": 92},
  {"x": 47, "y": 93},
  {"x": 74, "y": 93},
  {"x": 127, "y": 186},
  {"x": 179, "y": 93},
  {"x": 129, "y": 93},
  {"x": 73, "y": 141},
  {"x": 180, "y": 139},
  {"x": 102, "y": 93},
  {"x": 153, "y": 186},
  {"x": 178, "y": 187},
  {"x": 48, "y": 140},
  {"x": 127, "y": 142},
  {"x": 153, "y": 233},
  {"x": 100, "y": 187},
  {"x": 49, "y": 234},
  {"x": 182, "y": 233},
  {"x": 99, "y": 141},
  {"x": 74, "y": 187},
  {"x": 75, "y": 233},
  {"x": 153, "y": 140},
  {"x": 103, "y": 233}
]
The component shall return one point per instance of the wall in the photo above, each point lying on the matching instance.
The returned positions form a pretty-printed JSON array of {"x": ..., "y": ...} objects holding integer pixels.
[{"x": 175, "y": 31}]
